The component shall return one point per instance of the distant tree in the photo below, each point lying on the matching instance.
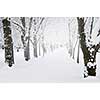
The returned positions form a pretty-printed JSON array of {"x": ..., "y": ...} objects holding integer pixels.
[
  {"x": 72, "y": 35},
  {"x": 37, "y": 22}
]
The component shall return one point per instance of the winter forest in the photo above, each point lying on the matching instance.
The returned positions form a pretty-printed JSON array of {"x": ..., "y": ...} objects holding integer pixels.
[{"x": 49, "y": 49}]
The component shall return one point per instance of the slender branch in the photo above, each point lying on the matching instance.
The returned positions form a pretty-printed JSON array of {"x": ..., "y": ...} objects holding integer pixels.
[
  {"x": 86, "y": 20},
  {"x": 91, "y": 28},
  {"x": 30, "y": 24},
  {"x": 40, "y": 25},
  {"x": 97, "y": 47},
  {"x": 18, "y": 30},
  {"x": 39, "y": 35},
  {"x": 17, "y": 24}
]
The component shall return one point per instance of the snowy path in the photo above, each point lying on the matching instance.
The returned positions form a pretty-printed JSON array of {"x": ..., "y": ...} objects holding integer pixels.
[{"x": 54, "y": 67}]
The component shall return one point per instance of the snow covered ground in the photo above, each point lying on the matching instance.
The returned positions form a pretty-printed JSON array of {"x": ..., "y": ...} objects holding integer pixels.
[{"x": 56, "y": 66}]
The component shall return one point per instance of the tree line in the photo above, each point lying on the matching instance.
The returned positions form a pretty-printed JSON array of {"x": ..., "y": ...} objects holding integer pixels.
[{"x": 83, "y": 29}]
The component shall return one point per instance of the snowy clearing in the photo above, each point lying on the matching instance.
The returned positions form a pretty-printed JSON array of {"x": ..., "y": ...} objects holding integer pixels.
[{"x": 54, "y": 67}]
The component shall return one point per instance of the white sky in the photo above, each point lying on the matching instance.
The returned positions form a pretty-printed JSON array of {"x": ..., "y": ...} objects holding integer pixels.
[{"x": 56, "y": 30}]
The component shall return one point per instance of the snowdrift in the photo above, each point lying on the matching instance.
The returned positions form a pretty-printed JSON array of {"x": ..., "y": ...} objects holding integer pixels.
[{"x": 53, "y": 67}]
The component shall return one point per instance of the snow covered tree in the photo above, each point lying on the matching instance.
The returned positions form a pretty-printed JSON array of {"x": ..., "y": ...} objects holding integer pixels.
[
  {"x": 41, "y": 37},
  {"x": 22, "y": 27},
  {"x": 31, "y": 32},
  {"x": 26, "y": 39},
  {"x": 78, "y": 52},
  {"x": 89, "y": 48},
  {"x": 35, "y": 37},
  {"x": 23, "y": 38},
  {"x": 8, "y": 42},
  {"x": 37, "y": 22},
  {"x": 72, "y": 35},
  {"x": 70, "y": 38},
  {"x": 25, "y": 31}
]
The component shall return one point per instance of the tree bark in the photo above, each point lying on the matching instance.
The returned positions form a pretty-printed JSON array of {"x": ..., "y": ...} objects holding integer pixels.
[
  {"x": 26, "y": 40},
  {"x": 90, "y": 61},
  {"x": 8, "y": 42},
  {"x": 78, "y": 52},
  {"x": 27, "y": 48},
  {"x": 23, "y": 37},
  {"x": 89, "y": 52},
  {"x": 35, "y": 46},
  {"x": 39, "y": 48},
  {"x": 35, "y": 37}
]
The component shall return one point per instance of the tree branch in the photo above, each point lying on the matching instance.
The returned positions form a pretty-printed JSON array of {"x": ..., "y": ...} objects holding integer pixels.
[
  {"x": 91, "y": 28},
  {"x": 17, "y": 24},
  {"x": 97, "y": 47},
  {"x": 39, "y": 25}
]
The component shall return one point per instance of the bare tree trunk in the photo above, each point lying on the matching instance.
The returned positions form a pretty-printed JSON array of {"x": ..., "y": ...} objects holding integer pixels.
[
  {"x": 74, "y": 48},
  {"x": 23, "y": 38},
  {"x": 26, "y": 40},
  {"x": 27, "y": 48},
  {"x": 37, "y": 24},
  {"x": 35, "y": 37},
  {"x": 44, "y": 49},
  {"x": 8, "y": 42},
  {"x": 43, "y": 45},
  {"x": 70, "y": 44},
  {"x": 78, "y": 52},
  {"x": 39, "y": 48},
  {"x": 90, "y": 62},
  {"x": 35, "y": 46}
]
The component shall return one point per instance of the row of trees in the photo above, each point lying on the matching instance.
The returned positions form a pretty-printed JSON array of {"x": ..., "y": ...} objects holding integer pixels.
[
  {"x": 89, "y": 48},
  {"x": 88, "y": 33},
  {"x": 31, "y": 29}
]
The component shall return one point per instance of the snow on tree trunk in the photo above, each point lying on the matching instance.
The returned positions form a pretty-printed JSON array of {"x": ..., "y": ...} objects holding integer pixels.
[
  {"x": 44, "y": 49},
  {"x": 39, "y": 48},
  {"x": 23, "y": 36},
  {"x": 43, "y": 46},
  {"x": 35, "y": 37},
  {"x": 35, "y": 46},
  {"x": 25, "y": 40},
  {"x": 27, "y": 50},
  {"x": 70, "y": 42},
  {"x": 8, "y": 43},
  {"x": 24, "y": 45},
  {"x": 89, "y": 52},
  {"x": 78, "y": 53},
  {"x": 90, "y": 61},
  {"x": 37, "y": 22}
]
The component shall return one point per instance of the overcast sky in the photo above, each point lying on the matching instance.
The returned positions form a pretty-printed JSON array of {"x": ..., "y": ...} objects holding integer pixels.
[{"x": 56, "y": 30}]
